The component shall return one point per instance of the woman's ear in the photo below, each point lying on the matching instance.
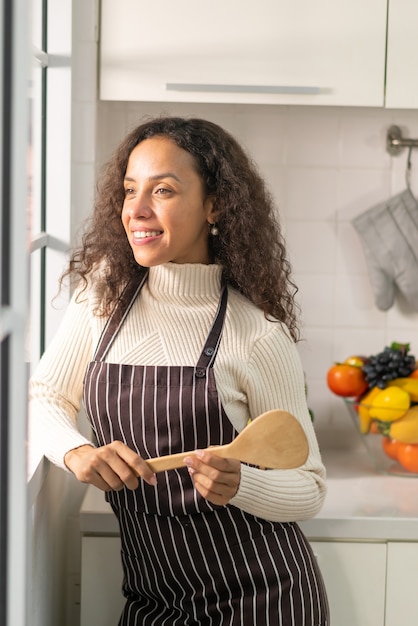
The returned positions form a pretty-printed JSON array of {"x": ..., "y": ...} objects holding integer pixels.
[{"x": 212, "y": 214}]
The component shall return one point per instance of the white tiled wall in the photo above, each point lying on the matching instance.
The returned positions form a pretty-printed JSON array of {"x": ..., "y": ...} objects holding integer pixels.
[{"x": 324, "y": 166}]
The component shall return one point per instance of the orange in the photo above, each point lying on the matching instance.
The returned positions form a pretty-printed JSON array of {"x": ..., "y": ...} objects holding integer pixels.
[
  {"x": 408, "y": 456},
  {"x": 390, "y": 447}
]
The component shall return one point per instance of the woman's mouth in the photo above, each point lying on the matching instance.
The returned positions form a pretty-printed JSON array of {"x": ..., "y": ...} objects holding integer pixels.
[{"x": 138, "y": 235}]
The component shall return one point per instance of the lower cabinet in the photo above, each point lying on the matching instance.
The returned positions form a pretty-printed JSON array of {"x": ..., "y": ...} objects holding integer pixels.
[
  {"x": 402, "y": 585},
  {"x": 368, "y": 583},
  {"x": 355, "y": 579},
  {"x": 101, "y": 581}
]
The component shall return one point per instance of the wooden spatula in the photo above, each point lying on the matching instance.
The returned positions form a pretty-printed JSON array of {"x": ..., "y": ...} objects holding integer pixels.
[{"x": 274, "y": 440}]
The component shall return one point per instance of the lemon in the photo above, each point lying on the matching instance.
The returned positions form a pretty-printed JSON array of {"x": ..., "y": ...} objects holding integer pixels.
[{"x": 390, "y": 404}]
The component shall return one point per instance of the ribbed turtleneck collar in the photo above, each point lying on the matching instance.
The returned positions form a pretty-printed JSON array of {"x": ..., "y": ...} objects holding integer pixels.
[{"x": 185, "y": 280}]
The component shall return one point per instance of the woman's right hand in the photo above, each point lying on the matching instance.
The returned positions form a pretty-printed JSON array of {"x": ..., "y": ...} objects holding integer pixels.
[{"x": 109, "y": 467}]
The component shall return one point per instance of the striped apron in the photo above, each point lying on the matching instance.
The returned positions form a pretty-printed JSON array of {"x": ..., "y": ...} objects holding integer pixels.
[{"x": 186, "y": 561}]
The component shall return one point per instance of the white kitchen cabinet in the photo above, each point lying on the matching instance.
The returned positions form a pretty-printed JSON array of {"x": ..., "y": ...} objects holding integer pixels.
[
  {"x": 101, "y": 581},
  {"x": 365, "y": 539},
  {"x": 402, "y": 55},
  {"x": 328, "y": 52},
  {"x": 402, "y": 585},
  {"x": 355, "y": 578},
  {"x": 368, "y": 583}
]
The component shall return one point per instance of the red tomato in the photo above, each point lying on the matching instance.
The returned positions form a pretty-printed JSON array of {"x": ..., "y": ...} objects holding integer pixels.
[
  {"x": 390, "y": 447},
  {"x": 408, "y": 456},
  {"x": 346, "y": 380}
]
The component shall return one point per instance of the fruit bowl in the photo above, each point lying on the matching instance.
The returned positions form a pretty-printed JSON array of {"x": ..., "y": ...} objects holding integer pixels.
[{"x": 373, "y": 441}]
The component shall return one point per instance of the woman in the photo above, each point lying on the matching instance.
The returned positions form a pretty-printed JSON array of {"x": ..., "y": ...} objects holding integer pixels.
[{"x": 183, "y": 328}]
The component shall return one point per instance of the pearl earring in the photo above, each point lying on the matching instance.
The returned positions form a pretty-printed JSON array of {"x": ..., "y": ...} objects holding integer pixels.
[{"x": 214, "y": 230}]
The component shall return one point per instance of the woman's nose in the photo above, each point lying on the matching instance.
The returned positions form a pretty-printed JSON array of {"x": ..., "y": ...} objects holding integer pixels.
[{"x": 140, "y": 206}]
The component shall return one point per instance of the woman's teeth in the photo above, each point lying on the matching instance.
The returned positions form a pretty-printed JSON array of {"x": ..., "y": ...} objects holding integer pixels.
[{"x": 143, "y": 234}]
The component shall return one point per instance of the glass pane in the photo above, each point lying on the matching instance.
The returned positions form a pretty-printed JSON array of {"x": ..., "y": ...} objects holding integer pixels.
[
  {"x": 35, "y": 153},
  {"x": 36, "y": 22},
  {"x": 34, "y": 334}
]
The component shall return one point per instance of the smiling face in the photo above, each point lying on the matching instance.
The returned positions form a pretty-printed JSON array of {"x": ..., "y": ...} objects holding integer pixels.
[{"x": 165, "y": 212}]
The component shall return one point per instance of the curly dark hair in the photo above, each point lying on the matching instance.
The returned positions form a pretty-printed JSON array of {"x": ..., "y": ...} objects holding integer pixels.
[{"x": 250, "y": 246}]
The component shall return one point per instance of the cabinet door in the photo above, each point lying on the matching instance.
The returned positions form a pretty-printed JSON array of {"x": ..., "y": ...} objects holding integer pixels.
[
  {"x": 402, "y": 585},
  {"x": 271, "y": 51},
  {"x": 101, "y": 581},
  {"x": 402, "y": 55},
  {"x": 354, "y": 575}
]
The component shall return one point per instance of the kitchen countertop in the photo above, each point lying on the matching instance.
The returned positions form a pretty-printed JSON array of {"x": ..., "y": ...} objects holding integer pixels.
[{"x": 360, "y": 504}]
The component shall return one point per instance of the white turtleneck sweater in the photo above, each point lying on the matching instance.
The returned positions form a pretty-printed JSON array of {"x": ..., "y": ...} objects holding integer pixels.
[{"x": 257, "y": 369}]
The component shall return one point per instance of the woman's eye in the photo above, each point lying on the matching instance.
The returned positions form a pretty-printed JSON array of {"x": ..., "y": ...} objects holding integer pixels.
[
  {"x": 128, "y": 191},
  {"x": 162, "y": 191}
]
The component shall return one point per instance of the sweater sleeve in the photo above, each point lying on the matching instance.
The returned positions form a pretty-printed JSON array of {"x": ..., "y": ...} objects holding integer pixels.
[
  {"x": 56, "y": 387},
  {"x": 276, "y": 381}
]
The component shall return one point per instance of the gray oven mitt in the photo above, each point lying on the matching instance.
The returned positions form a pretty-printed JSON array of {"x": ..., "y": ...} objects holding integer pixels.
[{"x": 389, "y": 235}]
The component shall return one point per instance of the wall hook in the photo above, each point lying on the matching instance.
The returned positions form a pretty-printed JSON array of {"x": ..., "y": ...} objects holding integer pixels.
[{"x": 395, "y": 143}]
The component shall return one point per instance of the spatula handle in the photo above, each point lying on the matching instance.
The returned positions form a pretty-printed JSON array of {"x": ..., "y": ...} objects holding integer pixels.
[
  {"x": 174, "y": 461},
  {"x": 171, "y": 461}
]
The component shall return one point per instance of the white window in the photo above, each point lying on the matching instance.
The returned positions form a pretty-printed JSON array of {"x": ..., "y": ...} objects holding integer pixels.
[
  {"x": 35, "y": 158},
  {"x": 14, "y": 246}
]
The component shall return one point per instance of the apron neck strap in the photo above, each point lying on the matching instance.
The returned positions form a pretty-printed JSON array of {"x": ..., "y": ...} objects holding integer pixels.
[
  {"x": 118, "y": 316},
  {"x": 210, "y": 349}
]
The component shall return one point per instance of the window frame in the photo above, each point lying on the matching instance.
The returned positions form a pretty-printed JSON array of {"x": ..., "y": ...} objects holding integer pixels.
[
  {"x": 27, "y": 309},
  {"x": 14, "y": 76}
]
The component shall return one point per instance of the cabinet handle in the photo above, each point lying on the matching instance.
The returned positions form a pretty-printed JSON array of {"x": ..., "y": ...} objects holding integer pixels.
[{"x": 245, "y": 88}]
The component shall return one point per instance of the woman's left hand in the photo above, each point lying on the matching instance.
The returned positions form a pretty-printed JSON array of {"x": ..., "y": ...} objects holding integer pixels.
[{"x": 216, "y": 479}]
